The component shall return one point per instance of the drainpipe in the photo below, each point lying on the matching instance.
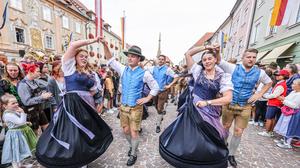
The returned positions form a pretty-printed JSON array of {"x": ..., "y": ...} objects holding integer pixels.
[
  {"x": 251, "y": 23},
  {"x": 230, "y": 29}
]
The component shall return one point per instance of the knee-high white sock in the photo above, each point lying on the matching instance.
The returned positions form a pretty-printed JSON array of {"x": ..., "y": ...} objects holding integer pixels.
[
  {"x": 289, "y": 140},
  {"x": 16, "y": 164},
  {"x": 128, "y": 137},
  {"x": 135, "y": 143},
  {"x": 234, "y": 144},
  {"x": 165, "y": 106}
]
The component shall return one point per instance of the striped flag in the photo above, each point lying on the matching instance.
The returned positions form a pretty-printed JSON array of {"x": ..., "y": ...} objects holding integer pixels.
[
  {"x": 291, "y": 12},
  {"x": 282, "y": 12},
  {"x": 4, "y": 16},
  {"x": 123, "y": 31},
  {"x": 275, "y": 12},
  {"x": 98, "y": 19}
]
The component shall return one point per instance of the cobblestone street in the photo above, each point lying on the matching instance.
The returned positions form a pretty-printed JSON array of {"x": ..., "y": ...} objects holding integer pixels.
[{"x": 255, "y": 151}]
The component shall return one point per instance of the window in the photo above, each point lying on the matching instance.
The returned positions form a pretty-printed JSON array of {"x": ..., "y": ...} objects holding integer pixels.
[
  {"x": 77, "y": 27},
  {"x": 255, "y": 32},
  {"x": 271, "y": 30},
  {"x": 20, "y": 35},
  {"x": 65, "y": 21},
  {"x": 240, "y": 47},
  {"x": 260, "y": 3},
  {"x": 49, "y": 42},
  {"x": 17, "y": 4},
  {"x": 47, "y": 14},
  {"x": 298, "y": 16},
  {"x": 245, "y": 15}
]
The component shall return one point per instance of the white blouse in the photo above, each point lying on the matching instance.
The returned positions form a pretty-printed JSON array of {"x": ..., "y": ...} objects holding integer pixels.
[
  {"x": 69, "y": 67},
  {"x": 225, "y": 83},
  {"x": 292, "y": 100}
]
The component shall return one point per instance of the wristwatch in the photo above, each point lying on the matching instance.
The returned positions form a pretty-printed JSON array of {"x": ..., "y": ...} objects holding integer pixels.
[{"x": 208, "y": 102}]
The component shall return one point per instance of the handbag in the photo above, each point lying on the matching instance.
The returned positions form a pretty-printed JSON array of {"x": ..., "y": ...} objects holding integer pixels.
[{"x": 286, "y": 111}]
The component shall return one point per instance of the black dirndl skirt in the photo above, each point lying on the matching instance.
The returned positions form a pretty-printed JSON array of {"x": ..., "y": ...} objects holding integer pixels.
[
  {"x": 75, "y": 137},
  {"x": 191, "y": 142}
]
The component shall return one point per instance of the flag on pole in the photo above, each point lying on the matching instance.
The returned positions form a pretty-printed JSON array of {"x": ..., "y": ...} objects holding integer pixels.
[
  {"x": 123, "y": 31},
  {"x": 283, "y": 12},
  {"x": 290, "y": 14},
  {"x": 275, "y": 12},
  {"x": 98, "y": 19},
  {"x": 4, "y": 16}
]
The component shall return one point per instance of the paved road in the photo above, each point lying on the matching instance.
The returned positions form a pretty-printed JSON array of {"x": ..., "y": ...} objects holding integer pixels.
[{"x": 254, "y": 152}]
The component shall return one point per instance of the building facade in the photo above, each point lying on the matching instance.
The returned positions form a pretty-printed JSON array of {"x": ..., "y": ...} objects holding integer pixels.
[
  {"x": 279, "y": 44},
  {"x": 45, "y": 25},
  {"x": 49, "y": 25},
  {"x": 201, "y": 42},
  {"x": 114, "y": 44},
  {"x": 234, "y": 33}
]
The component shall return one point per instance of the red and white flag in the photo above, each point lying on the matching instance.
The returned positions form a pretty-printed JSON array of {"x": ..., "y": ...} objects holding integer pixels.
[{"x": 98, "y": 19}]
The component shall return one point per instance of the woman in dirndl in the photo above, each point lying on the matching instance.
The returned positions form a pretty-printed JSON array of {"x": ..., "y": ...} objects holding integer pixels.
[
  {"x": 76, "y": 135},
  {"x": 196, "y": 138},
  {"x": 288, "y": 124}
]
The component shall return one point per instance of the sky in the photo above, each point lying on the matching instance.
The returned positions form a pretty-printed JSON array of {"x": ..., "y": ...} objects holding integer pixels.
[{"x": 181, "y": 22}]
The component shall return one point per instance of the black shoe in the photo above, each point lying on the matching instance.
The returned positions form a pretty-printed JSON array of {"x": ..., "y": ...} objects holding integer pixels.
[
  {"x": 232, "y": 161},
  {"x": 129, "y": 152},
  {"x": 157, "y": 129},
  {"x": 5, "y": 165},
  {"x": 131, "y": 161}
]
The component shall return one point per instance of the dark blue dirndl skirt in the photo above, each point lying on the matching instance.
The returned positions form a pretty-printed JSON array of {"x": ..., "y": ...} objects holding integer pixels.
[{"x": 75, "y": 137}]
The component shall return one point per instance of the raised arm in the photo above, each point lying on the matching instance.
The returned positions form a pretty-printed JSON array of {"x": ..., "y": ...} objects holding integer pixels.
[
  {"x": 112, "y": 62},
  {"x": 107, "y": 53},
  {"x": 71, "y": 51},
  {"x": 190, "y": 53}
]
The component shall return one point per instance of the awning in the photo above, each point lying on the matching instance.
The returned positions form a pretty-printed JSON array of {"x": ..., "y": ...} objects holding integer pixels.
[
  {"x": 275, "y": 53},
  {"x": 261, "y": 55}
]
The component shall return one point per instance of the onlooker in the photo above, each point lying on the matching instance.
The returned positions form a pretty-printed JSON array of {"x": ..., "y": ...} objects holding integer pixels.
[
  {"x": 32, "y": 97},
  {"x": 109, "y": 91},
  {"x": 273, "y": 67},
  {"x": 116, "y": 81},
  {"x": 11, "y": 77},
  {"x": 261, "y": 104},
  {"x": 274, "y": 104},
  {"x": 43, "y": 84},
  {"x": 288, "y": 124},
  {"x": 20, "y": 140},
  {"x": 3, "y": 61},
  {"x": 56, "y": 83},
  {"x": 293, "y": 70}
]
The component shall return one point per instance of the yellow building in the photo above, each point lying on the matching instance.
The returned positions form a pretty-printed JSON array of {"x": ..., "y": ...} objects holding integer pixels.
[
  {"x": 42, "y": 24},
  {"x": 114, "y": 44}
]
